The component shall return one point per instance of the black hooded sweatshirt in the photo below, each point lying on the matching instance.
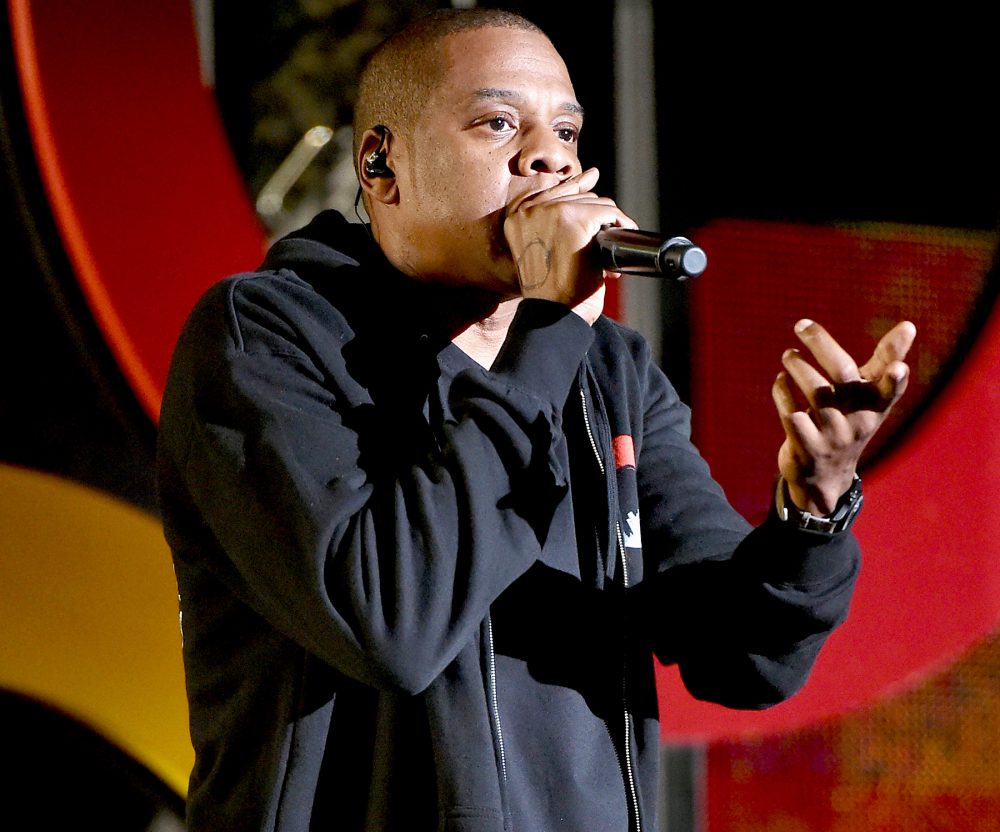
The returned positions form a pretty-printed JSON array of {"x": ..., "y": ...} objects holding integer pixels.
[{"x": 417, "y": 594}]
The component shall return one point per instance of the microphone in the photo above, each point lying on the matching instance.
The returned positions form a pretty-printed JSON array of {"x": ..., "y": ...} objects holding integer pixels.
[{"x": 649, "y": 253}]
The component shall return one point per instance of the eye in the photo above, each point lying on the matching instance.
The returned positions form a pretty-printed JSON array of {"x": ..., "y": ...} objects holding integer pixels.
[
  {"x": 499, "y": 124},
  {"x": 570, "y": 135}
]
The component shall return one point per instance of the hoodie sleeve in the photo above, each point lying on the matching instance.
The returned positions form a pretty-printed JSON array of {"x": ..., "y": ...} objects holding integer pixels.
[
  {"x": 384, "y": 568},
  {"x": 743, "y": 612}
]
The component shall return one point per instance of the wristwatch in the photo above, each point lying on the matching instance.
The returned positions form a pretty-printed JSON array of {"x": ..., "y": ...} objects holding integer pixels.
[{"x": 838, "y": 521}]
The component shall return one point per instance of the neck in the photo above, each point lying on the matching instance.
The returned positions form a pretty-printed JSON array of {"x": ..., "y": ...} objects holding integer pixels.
[{"x": 483, "y": 338}]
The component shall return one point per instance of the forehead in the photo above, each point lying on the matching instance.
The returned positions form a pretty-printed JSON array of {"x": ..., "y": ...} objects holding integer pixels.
[{"x": 523, "y": 62}]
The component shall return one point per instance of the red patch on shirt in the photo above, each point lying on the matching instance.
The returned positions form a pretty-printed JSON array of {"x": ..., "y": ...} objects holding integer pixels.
[{"x": 624, "y": 451}]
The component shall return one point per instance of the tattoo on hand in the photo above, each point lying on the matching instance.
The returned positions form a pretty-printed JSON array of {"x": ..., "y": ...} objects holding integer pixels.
[{"x": 535, "y": 249}]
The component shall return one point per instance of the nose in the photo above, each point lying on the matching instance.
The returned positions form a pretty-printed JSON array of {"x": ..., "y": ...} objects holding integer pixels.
[{"x": 544, "y": 152}]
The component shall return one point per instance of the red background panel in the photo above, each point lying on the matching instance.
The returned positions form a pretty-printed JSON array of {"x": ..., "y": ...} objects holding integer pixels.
[{"x": 138, "y": 169}]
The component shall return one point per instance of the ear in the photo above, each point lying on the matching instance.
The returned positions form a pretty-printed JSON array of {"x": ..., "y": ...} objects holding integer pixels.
[{"x": 375, "y": 165}]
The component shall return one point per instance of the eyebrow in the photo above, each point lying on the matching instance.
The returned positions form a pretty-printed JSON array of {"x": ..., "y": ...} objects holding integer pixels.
[{"x": 493, "y": 93}]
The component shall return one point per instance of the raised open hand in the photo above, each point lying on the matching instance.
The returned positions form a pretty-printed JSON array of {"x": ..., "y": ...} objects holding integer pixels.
[{"x": 831, "y": 411}]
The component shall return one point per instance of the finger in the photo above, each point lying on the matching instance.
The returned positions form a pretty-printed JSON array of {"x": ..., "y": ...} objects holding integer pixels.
[
  {"x": 801, "y": 430},
  {"x": 815, "y": 387},
  {"x": 578, "y": 183},
  {"x": 831, "y": 402},
  {"x": 892, "y": 347},
  {"x": 784, "y": 399},
  {"x": 581, "y": 183},
  {"x": 886, "y": 368},
  {"x": 587, "y": 179},
  {"x": 624, "y": 221},
  {"x": 587, "y": 198},
  {"x": 893, "y": 382},
  {"x": 610, "y": 215},
  {"x": 833, "y": 358}
]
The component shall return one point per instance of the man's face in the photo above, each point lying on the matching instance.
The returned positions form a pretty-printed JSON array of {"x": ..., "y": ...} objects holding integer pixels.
[{"x": 502, "y": 122}]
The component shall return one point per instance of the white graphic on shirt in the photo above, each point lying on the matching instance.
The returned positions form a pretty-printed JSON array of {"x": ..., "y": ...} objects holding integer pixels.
[{"x": 633, "y": 539}]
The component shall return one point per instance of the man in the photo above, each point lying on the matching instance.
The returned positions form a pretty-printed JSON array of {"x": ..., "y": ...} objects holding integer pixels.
[{"x": 433, "y": 515}]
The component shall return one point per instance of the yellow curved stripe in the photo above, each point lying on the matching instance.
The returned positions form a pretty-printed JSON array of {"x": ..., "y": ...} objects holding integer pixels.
[{"x": 88, "y": 616}]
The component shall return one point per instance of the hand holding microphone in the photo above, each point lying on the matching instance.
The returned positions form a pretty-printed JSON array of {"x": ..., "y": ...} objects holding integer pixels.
[
  {"x": 649, "y": 253},
  {"x": 564, "y": 239}
]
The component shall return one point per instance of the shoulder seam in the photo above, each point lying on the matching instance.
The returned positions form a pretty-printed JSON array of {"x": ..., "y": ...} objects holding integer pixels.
[{"x": 231, "y": 289}]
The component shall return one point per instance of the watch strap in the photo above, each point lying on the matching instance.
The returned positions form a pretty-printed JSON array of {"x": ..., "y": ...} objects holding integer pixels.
[{"x": 839, "y": 520}]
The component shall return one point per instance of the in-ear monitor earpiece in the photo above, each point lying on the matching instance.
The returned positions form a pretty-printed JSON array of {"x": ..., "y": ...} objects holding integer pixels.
[{"x": 375, "y": 163}]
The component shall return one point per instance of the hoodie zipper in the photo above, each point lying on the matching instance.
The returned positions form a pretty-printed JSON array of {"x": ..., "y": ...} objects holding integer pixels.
[
  {"x": 494, "y": 701},
  {"x": 626, "y": 763}
]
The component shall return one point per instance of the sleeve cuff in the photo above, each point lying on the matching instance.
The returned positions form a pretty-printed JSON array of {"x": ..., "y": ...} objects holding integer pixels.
[{"x": 545, "y": 344}]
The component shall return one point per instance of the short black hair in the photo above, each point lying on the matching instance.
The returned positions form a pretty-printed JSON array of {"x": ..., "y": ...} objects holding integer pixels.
[{"x": 401, "y": 71}]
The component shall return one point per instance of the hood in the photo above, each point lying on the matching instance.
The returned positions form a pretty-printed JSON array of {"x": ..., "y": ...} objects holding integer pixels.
[{"x": 328, "y": 241}]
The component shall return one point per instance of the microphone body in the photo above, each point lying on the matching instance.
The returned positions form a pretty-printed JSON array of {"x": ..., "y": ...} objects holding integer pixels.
[{"x": 649, "y": 253}]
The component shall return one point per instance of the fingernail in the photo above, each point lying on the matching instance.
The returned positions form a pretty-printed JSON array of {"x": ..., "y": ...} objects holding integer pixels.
[{"x": 803, "y": 325}]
